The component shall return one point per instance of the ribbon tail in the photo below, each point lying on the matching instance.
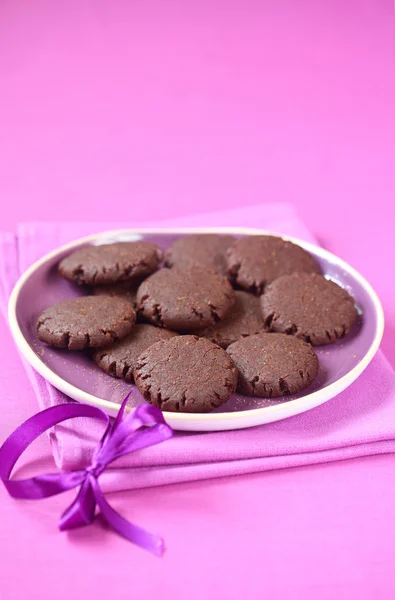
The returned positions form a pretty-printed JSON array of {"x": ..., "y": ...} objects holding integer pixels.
[
  {"x": 119, "y": 417},
  {"x": 149, "y": 541},
  {"x": 82, "y": 511},
  {"x": 111, "y": 428}
]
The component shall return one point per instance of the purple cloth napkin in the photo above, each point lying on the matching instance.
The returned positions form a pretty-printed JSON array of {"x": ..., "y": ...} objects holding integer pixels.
[{"x": 358, "y": 422}]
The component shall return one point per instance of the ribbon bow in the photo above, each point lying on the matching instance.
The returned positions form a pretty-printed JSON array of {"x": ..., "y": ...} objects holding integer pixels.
[{"x": 143, "y": 427}]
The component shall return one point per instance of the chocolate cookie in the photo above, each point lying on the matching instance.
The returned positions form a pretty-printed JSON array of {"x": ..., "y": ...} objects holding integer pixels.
[
  {"x": 111, "y": 263},
  {"x": 120, "y": 359},
  {"x": 273, "y": 364},
  {"x": 310, "y": 307},
  {"x": 200, "y": 248},
  {"x": 127, "y": 290},
  {"x": 255, "y": 261},
  {"x": 186, "y": 374},
  {"x": 244, "y": 319},
  {"x": 185, "y": 300},
  {"x": 89, "y": 321}
]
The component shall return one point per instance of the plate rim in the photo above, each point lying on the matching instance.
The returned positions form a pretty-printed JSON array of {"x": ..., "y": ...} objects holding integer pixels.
[{"x": 292, "y": 407}]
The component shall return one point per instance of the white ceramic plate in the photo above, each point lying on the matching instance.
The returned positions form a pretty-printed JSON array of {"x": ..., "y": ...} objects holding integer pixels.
[{"x": 77, "y": 376}]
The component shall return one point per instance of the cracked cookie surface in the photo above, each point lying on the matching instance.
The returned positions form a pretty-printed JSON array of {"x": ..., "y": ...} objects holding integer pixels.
[
  {"x": 256, "y": 260},
  {"x": 185, "y": 300},
  {"x": 244, "y": 319},
  {"x": 120, "y": 358},
  {"x": 310, "y": 307},
  {"x": 110, "y": 263},
  {"x": 273, "y": 364},
  {"x": 86, "y": 322},
  {"x": 186, "y": 374},
  {"x": 127, "y": 290},
  {"x": 207, "y": 249}
]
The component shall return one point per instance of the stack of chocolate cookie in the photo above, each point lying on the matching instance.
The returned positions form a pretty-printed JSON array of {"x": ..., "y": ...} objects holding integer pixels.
[{"x": 223, "y": 314}]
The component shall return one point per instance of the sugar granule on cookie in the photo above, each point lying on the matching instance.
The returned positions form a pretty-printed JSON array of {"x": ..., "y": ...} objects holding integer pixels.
[
  {"x": 120, "y": 358},
  {"x": 110, "y": 263},
  {"x": 85, "y": 322},
  {"x": 308, "y": 306},
  {"x": 186, "y": 374},
  {"x": 244, "y": 319},
  {"x": 185, "y": 299},
  {"x": 273, "y": 364},
  {"x": 255, "y": 261},
  {"x": 205, "y": 249}
]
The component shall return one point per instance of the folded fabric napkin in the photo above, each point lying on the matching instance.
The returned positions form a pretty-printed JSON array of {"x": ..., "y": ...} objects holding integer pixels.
[{"x": 358, "y": 422}]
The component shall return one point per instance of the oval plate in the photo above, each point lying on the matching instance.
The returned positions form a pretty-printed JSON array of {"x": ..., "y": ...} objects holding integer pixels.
[{"x": 77, "y": 376}]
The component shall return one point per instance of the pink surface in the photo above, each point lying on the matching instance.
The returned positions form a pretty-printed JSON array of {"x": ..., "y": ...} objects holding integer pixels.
[{"x": 165, "y": 109}]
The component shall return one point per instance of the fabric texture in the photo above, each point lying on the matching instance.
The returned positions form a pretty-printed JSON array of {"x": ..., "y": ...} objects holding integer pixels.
[{"x": 358, "y": 422}]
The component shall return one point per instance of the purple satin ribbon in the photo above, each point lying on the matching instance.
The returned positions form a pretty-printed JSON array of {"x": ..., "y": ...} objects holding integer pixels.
[{"x": 140, "y": 428}]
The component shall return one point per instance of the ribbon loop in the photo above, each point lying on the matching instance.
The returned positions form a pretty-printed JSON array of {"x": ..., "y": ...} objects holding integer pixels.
[{"x": 143, "y": 427}]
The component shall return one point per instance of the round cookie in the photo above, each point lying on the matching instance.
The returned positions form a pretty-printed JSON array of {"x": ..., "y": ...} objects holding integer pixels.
[
  {"x": 110, "y": 263},
  {"x": 206, "y": 249},
  {"x": 255, "y": 261},
  {"x": 244, "y": 319},
  {"x": 273, "y": 364},
  {"x": 186, "y": 374},
  {"x": 185, "y": 300},
  {"x": 86, "y": 322},
  {"x": 120, "y": 358},
  {"x": 127, "y": 290},
  {"x": 310, "y": 307}
]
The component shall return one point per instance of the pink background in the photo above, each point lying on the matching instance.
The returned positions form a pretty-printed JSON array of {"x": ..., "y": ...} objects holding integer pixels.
[{"x": 165, "y": 108}]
